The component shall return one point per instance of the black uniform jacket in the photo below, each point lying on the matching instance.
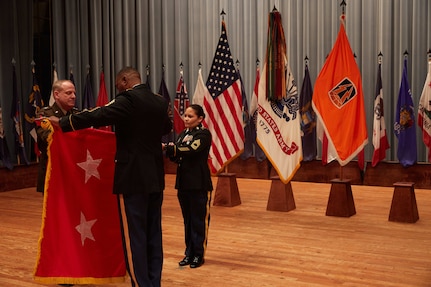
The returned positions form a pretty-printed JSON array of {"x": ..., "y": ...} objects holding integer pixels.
[
  {"x": 140, "y": 119},
  {"x": 190, "y": 152}
]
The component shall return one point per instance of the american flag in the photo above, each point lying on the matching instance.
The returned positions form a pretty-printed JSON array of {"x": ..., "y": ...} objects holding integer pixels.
[
  {"x": 181, "y": 104},
  {"x": 223, "y": 107}
]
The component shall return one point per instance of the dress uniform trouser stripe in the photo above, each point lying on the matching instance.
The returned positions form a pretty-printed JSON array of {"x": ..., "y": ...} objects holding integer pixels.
[
  {"x": 207, "y": 216},
  {"x": 127, "y": 238}
]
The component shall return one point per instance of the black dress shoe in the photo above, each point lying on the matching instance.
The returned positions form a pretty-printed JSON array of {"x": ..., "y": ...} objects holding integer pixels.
[
  {"x": 186, "y": 261},
  {"x": 197, "y": 262}
]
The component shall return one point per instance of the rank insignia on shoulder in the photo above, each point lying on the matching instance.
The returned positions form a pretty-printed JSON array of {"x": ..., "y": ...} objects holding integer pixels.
[{"x": 196, "y": 144}]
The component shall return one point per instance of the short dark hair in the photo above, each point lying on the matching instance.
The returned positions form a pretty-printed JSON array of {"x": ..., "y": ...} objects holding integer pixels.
[
  {"x": 198, "y": 109},
  {"x": 129, "y": 72}
]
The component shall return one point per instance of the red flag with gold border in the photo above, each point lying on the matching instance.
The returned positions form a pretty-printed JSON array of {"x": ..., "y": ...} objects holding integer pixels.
[{"x": 80, "y": 240}]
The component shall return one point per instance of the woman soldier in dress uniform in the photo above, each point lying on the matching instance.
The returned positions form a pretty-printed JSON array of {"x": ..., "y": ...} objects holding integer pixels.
[{"x": 193, "y": 182}]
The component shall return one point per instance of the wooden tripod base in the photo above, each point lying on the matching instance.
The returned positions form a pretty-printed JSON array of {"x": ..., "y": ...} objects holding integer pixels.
[
  {"x": 226, "y": 193},
  {"x": 340, "y": 202}
]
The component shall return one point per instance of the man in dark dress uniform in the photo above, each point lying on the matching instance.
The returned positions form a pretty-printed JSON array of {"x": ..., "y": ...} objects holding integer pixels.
[
  {"x": 140, "y": 119},
  {"x": 64, "y": 96}
]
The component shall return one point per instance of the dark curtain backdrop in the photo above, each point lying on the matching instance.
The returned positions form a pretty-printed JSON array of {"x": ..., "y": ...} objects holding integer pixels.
[
  {"x": 111, "y": 34},
  {"x": 16, "y": 42}
]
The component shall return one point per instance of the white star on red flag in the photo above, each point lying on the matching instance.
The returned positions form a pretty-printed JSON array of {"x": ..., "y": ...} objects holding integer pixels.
[
  {"x": 90, "y": 166},
  {"x": 84, "y": 228}
]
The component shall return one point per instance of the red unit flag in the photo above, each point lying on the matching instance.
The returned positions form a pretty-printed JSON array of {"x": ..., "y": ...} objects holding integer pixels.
[{"x": 80, "y": 240}]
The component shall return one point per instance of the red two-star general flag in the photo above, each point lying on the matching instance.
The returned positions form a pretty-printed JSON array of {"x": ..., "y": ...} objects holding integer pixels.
[
  {"x": 339, "y": 102},
  {"x": 80, "y": 239}
]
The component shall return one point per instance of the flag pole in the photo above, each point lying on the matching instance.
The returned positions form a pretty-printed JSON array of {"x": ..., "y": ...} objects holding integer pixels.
[
  {"x": 341, "y": 173},
  {"x": 343, "y": 17},
  {"x": 181, "y": 75},
  {"x": 222, "y": 13},
  {"x": 17, "y": 155},
  {"x": 226, "y": 191},
  {"x": 429, "y": 61}
]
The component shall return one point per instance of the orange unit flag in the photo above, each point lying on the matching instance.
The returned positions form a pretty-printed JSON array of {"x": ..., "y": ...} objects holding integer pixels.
[
  {"x": 80, "y": 239},
  {"x": 339, "y": 102}
]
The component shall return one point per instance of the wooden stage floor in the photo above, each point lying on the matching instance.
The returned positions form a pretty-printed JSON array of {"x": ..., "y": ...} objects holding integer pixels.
[{"x": 250, "y": 246}]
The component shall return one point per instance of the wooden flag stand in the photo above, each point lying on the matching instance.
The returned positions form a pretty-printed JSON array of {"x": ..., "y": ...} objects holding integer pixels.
[
  {"x": 340, "y": 202},
  {"x": 226, "y": 193},
  {"x": 404, "y": 207},
  {"x": 280, "y": 196}
]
